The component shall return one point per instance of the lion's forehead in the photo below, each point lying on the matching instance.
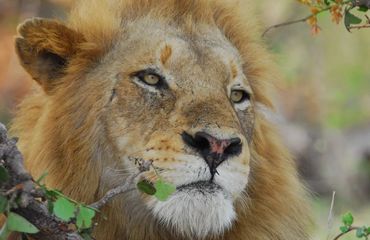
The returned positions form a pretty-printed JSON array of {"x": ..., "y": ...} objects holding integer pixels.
[{"x": 198, "y": 57}]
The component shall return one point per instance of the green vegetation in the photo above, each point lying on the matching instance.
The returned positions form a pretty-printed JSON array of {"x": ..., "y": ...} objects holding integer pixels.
[{"x": 66, "y": 209}]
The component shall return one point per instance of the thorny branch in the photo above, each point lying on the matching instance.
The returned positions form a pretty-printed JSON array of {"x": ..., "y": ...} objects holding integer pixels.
[{"x": 31, "y": 204}]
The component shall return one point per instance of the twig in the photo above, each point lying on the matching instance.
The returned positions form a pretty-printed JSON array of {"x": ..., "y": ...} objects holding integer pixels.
[
  {"x": 344, "y": 233},
  {"x": 357, "y": 3},
  {"x": 294, "y": 21},
  {"x": 360, "y": 27},
  {"x": 143, "y": 167},
  {"x": 366, "y": 25}
]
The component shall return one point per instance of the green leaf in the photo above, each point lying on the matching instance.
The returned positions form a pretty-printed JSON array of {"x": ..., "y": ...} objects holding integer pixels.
[
  {"x": 146, "y": 187},
  {"x": 164, "y": 190},
  {"x": 344, "y": 229},
  {"x": 4, "y": 175},
  {"x": 84, "y": 217},
  {"x": 347, "y": 219},
  {"x": 363, "y": 8},
  {"x": 360, "y": 232},
  {"x": 350, "y": 19},
  {"x": 327, "y": 2},
  {"x": 64, "y": 209},
  {"x": 3, "y": 203},
  {"x": 368, "y": 230},
  {"x": 17, "y": 223}
]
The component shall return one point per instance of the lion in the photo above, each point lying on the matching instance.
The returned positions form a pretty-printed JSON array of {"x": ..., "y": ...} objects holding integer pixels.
[{"x": 182, "y": 83}]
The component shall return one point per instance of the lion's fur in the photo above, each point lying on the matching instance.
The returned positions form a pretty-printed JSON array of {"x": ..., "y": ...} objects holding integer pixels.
[{"x": 61, "y": 131}]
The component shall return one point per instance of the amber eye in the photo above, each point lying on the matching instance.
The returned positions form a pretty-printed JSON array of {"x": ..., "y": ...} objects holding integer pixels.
[
  {"x": 151, "y": 79},
  {"x": 238, "y": 96}
]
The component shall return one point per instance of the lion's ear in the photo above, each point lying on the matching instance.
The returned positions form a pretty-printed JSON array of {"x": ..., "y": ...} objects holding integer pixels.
[{"x": 44, "y": 48}]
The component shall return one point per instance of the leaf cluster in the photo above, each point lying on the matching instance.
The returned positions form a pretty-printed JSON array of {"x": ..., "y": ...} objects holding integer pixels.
[
  {"x": 351, "y": 11},
  {"x": 161, "y": 189},
  {"x": 347, "y": 221},
  {"x": 79, "y": 215},
  {"x": 67, "y": 209}
]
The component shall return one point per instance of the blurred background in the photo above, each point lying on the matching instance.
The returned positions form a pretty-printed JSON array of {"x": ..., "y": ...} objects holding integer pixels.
[{"x": 323, "y": 104}]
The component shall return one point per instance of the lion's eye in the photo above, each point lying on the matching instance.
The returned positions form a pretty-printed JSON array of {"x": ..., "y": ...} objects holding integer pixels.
[
  {"x": 238, "y": 96},
  {"x": 151, "y": 79}
]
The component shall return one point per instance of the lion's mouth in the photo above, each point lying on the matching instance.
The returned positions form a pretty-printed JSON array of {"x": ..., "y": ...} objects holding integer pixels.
[{"x": 202, "y": 186}]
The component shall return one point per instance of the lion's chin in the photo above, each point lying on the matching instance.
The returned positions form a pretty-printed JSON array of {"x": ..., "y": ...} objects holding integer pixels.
[{"x": 197, "y": 210}]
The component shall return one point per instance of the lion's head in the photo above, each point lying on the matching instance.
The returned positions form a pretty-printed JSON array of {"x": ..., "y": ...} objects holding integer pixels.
[{"x": 175, "y": 82}]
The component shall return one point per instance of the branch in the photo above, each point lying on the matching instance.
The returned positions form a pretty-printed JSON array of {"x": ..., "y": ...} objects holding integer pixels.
[
  {"x": 20, "y": 186},
  {"x": 360, "y": 27},
  {"x": 143, "y": 167},
  {"x": 354, "y": 3},
  {"x": 344, "y": 233},
  {"x": 366, "y": 25},
  {"x": 32, "y": 203},
  {"x": 294, "y": 21}
]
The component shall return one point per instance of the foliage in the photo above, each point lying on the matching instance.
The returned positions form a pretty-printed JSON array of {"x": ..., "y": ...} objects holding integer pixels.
[
  {"x": 164, "y": 190},
  {"x": 339, "y": 9},
  {"x": 75, "y": 214},
  {"x": 160, "y": 189},
  {"x": 348, "y": 220}
]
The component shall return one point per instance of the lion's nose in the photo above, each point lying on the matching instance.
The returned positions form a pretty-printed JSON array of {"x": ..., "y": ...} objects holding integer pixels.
[{"x": 213, "y": 150}]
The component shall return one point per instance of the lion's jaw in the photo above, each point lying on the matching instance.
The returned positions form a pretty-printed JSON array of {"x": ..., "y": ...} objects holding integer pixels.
[
  {"x": 199, "y": 207},
  {"x": 197, "y": 212}
]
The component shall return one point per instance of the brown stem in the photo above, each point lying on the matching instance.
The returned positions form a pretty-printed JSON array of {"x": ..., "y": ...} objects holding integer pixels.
[
  {"x": 294, "y": 21},
  {"x": 360, "y": 27}
]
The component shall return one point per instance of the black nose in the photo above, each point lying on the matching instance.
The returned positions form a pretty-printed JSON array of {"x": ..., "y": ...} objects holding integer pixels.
[{"x": 213, "y": 150}]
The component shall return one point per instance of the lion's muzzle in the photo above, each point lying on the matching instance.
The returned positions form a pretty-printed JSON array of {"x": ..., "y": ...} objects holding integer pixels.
[{"x": 213, "y": 150}]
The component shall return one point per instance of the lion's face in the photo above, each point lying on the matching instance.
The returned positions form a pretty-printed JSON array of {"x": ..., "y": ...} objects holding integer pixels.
[
  {"x": 182, "y": 101},
  {"x": 160, "y": 81}
]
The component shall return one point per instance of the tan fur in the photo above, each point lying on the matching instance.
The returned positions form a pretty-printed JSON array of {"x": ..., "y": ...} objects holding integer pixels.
[
  {"x": 71, "y": 129},
  {"x": 165, "y": 54}
]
